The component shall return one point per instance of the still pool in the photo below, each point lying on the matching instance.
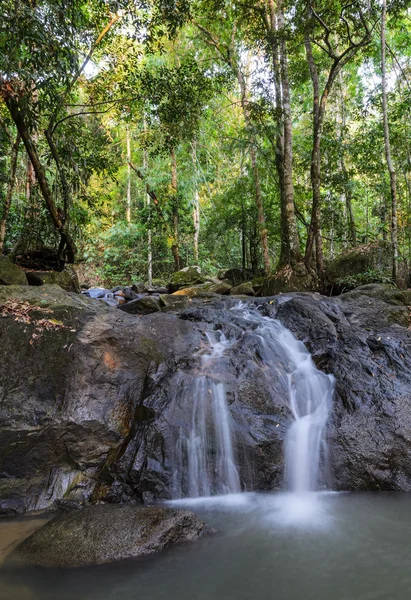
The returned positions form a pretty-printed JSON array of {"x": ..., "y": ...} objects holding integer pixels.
[{"x": 267, "y": 547}]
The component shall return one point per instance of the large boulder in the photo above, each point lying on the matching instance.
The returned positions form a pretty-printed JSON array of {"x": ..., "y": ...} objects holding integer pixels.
[
  {"x": 11, "y": 274},
  {"x": 93, "y": 399},
  {"x": 66, "y": 279},
  {"x": 370, "y": 263},
  {"x": 187, "y": 277},
  {"x": 74, "y": 377},
  {"x": 141, "y": 306},
  {"x": 102, "y": 534}
]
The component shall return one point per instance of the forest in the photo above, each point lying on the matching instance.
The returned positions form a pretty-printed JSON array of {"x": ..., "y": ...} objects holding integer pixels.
[{"x": 137, "y": 138}]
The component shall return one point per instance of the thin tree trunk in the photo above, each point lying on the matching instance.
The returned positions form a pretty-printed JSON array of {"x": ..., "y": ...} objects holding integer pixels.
[
  {"x": 128, "y": 211},
  {"x": 40, "y": 175},
  {"x": 175, "y": 245},
  {"x": 347, "y": 189},
  {"x": 290, "y": 245},
  {"x": 390, "y": 165},
  {"x": 9, "y": 193},
  {"x": 196, "y": 206},
  {"x": 149, "y": 240},
  {"x": 314, "y": 234}
]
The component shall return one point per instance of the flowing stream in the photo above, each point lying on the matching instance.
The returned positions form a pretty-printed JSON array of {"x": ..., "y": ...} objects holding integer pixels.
[{"x": 204, "y": 458}]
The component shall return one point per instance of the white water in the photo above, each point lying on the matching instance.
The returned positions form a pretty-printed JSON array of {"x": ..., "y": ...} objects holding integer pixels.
[
  {"x": 207, "y": 446},
  {"x": 310, "y": 395},
  {"x": 204, "y": 458}
]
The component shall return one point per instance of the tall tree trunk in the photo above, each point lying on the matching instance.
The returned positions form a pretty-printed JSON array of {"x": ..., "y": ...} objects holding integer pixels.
[
  {"x": 254, "y": 166},
  {"x": 40, "y": 175},
  {"x": 9, "y": 193},
  {"x": 196, "y": 205},
  {"x": 149, "y": 240},
  {"x": 390, "y": 165},
  {"x": 347, "y": 195},
  {"x": 128, "y": 210},
  {"x": 290, "y": 245},
  {"x": 175, "y": 249},
  {"x": 314, "y": 234}
]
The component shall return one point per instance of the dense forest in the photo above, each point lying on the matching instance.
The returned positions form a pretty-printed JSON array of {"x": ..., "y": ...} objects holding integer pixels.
[{"x": 140, "y": 137}]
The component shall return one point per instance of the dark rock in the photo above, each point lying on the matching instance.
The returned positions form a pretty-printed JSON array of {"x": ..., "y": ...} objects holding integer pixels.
[
  {"x": 69, "y": 423},
  {"x": 141, "y": 306},
  {"x": 129, "y": 294},
  {"x": 138, "y": 287},
  {"x": 92, "y": 416},
  {"x": 187, "y": 277},
  {"x": 66, "y": 279},
  {"x": 244, "y": 289},
  {"x": 172, "y": 302},
  {"x": 371, "y": 263},
  {"x": 10, "y": 274},
  {"x": 235, "y": 276},
  {"x": 102, "y": 534}
]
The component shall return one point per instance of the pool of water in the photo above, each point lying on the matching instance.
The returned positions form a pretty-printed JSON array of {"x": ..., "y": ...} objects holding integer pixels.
[{"x": 267, "y": 547}]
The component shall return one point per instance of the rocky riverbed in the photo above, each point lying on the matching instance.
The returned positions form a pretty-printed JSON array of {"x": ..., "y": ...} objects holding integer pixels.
[{"x": 89, "y": 392}]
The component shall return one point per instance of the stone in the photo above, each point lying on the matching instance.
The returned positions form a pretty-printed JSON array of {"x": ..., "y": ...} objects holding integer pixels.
[
  {"x": 244, "y": 289},
  {"x": 235, "y": 276},
  {"x": 185, "y": 278},
  {"x": 221, "y": 287},
  {"x": 71, "y": 422},
  {"x": 138, "y": 287},
  {"x": 119, "y": 293},
  {"x": 141, "y": 306},
  {"x": 370, "y": 263},
  {"x": 11, "y": 274},
  {"x": 172, "y": 302},
  {"x": 129, "y": 294},
  {"x": 103, "y": 534},
  {"x": 193, "y": 291},
  {"x": 66, "y": 279}
]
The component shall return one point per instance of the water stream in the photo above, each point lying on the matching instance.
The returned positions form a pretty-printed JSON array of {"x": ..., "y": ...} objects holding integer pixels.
[{"x": 204, "y": 456}]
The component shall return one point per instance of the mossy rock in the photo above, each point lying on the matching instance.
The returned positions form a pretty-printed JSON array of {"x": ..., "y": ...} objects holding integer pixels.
[
  {"x": 66, "y": 279},
  {"x": 194, "y": 291},
  {"x": 244, "y": 289},
  {"x": 185, "y": 278},
  {"x": 370, "y": 263},
  {"x": 106, "y": 533},
  {"x": 11, "y": 274}
]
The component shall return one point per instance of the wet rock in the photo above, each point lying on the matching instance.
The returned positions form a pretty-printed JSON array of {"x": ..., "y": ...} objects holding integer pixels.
[
  {"x": 129, "y": 294},
  {"x": 244, "y": 289},
  {"x": 103, "y": 534},
  {"x": 185, "y": 278},
  {"x": 69, "y": 424},
  {"x": 141, "y": 306},
  {"x": 10, "y": 274}
]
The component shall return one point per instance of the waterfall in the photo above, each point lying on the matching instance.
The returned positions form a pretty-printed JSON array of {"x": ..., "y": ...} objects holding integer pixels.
[
  {"x": 203, "y": 454},
  {"x": 310, "y": 396},
  {"x": 204, "y": 446}
]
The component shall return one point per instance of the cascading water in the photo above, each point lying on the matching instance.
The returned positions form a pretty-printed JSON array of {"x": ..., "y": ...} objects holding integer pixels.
[
  {"x": 203, "y": 455},
  {"x": 204, "y": 444},
  {"x": 310, "y": 394}
]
